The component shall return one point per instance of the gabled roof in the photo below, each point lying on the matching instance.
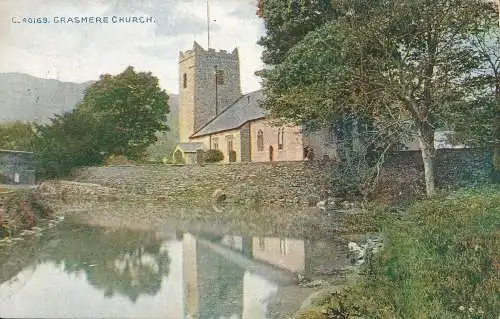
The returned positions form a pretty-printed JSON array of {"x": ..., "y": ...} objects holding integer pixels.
[
  {"x": 245, "y": 109},
  {"x": 190, "y": 147}
]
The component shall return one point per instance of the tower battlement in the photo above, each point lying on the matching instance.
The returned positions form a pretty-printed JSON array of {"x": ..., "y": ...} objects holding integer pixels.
[
  {"x": 198, "y": 50},
  {"x": 209, "y": 82}
]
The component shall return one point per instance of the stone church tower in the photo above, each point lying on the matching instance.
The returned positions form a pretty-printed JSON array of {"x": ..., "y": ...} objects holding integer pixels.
[{"x": 209, "y": 82}]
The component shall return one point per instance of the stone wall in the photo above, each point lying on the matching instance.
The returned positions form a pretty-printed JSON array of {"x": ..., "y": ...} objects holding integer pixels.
[
  {"x": 403, "y": 172},
  {"x": 286, "y": 182}
]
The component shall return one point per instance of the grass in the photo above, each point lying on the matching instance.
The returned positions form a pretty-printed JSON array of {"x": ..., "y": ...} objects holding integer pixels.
[{"x": 441, "y": 260}]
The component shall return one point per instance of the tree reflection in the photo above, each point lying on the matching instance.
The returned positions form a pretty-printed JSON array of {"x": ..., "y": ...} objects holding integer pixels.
[{"x": 122, "y": 262}]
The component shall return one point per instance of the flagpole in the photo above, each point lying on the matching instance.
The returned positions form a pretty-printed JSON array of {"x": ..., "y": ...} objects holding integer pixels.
[{"x": 208, "y": 24}]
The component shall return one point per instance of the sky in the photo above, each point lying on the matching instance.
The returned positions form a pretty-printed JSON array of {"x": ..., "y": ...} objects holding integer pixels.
[{"x": 76, "y": 52}]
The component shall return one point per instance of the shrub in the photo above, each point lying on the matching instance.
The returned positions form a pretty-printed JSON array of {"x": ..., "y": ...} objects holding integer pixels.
[
  {"x": 213, "y": 156},
  {"x": 117, "y": 160},
  {"x": 441, "y": 259}
]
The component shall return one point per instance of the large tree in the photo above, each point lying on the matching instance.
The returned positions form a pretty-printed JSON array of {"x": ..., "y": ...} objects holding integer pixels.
[
  {"x": 130, "y": 108},
  {"x": 407, "y": 65},
  {"x": 119, "y": 115}
]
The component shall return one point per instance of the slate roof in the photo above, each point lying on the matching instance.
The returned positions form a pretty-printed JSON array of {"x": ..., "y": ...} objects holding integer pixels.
[
  {"x": 190, "y": 147},
  {"x": 247, "y": 108}
]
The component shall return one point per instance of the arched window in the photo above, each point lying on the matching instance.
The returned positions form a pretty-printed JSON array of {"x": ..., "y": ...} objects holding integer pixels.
[
  {"x": 281, "y": 132},
  {"x": 184, "y": 81},
  {"x": 215, "y": 142},
  {"x": 260, "y": 141}
]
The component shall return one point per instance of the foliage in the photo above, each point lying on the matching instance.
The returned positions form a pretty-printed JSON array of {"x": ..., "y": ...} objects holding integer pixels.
[
  {"x": 287, "y": 22},
  {"x": 17, "y": 136},
  {"x": 440, "y": 260},
  {"x": 117, "y": 160},
  {"x": 119, "y": 116},
  {"x": 213, "y": 156},
  {"x": 69, "y": 140},
  {"x": 408, "y": 66},
  {"x": 129, "y": 263},
  {"x": 130, "y": 108}
]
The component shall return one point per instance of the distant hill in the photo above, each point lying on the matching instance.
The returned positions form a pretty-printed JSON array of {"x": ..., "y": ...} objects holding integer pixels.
[{"x": 27, "y": 98}]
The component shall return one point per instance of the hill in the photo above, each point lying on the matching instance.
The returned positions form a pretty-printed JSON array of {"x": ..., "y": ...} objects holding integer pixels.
[{"x": 27, "y": 98}]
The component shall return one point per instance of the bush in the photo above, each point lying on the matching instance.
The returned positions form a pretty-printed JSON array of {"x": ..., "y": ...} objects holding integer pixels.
[
  {"x": 213, "y": 156},
  {"x": 117, "y": 160},
  {"x": 441, "y": 260}
]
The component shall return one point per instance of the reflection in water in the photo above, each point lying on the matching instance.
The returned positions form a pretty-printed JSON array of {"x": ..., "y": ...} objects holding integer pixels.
[
  {"x": 124, "y": 262},
  {"x": 124, "y": 273}
]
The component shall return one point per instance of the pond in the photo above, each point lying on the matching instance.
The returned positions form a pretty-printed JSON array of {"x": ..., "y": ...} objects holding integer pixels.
[{"x": 79, "y": 270}]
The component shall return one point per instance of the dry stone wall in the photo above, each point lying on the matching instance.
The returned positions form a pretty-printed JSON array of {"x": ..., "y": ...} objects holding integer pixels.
[{"x": 285, "y": 182}]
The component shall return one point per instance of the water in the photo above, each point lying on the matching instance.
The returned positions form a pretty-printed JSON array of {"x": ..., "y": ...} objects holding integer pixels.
[{"x": 82, "y": 271}]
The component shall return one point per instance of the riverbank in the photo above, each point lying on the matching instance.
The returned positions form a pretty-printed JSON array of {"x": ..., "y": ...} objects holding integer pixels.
[
  {"x": 441, "y": 259},
  {"x": 21, "y": 209}
]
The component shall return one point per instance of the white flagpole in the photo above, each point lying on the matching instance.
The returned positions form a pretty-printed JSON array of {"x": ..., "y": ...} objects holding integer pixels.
[{"x": 208, "y": 24}]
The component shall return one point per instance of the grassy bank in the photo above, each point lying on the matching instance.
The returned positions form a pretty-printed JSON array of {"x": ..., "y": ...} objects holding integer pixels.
[
  {"x": 21, "y": 210},
  {"x": 441, "y": 260}
]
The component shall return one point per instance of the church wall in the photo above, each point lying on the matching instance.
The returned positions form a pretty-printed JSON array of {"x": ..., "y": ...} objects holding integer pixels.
[
  {"x": 322, "y": 142},
  {"x": 293, "y": 149},
  {"x": 222, "y": 141},
  {"x": 284, "y": 253}
]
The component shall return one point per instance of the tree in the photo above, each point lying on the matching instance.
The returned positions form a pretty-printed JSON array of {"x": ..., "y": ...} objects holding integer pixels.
[
  {"x": 287, "y": 22},
  {"x": 487, "y": 41},
  {"x": 406, "y": 65},
  {"x": 119, "y": 115},
  {"x": 69, "y": 140},
  {"x": 17, "y": 136},
  {"x": 130, "y": 109}
]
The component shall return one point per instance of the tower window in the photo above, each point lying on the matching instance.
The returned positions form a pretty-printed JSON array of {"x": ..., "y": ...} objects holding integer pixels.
[
  {"x": 281, "y": 132},
  {"x": 219, "y": 76},
  {"x": 260, "y": 141},
  {"x": 184, "y": 81}
]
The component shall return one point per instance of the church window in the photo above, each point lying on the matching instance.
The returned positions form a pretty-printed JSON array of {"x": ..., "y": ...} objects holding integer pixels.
[
  {"x": 184, "y": 81},
  {"x": 260, "y": 141},
  {"x": 219, "y": 75},
  {"x": 215, "y": 142},
  {"x": 229, "y": 139},
  {"x": 281, "y": 132}
]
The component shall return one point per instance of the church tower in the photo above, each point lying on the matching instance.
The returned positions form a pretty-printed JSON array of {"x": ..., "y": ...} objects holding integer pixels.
[{"x": 209, "y": 82}]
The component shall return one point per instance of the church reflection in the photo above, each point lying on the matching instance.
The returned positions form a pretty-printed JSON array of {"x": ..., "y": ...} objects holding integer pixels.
[
  {"x": 193, "y": 275},
  {"x": 238, "y": 277}
]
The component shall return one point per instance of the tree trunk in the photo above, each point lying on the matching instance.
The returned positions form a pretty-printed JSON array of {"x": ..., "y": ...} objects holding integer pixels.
[
  {"x": 496, "y": 146},
  {"x": 426, "y": 140}
]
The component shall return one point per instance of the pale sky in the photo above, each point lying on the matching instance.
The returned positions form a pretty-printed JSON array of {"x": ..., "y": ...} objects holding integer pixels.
[{"x": 81, "y": 52}]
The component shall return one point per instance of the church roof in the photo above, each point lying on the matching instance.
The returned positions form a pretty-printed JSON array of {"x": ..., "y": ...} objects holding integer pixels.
[
  {"x": 246, "y": 108},
  {"x": 190, "y": 147}
]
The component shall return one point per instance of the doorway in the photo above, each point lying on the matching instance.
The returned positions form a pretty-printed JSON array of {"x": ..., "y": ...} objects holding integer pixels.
[{"x": 271, "y": 153}]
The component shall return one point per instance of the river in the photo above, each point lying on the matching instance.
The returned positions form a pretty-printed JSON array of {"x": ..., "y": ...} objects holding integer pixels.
[{"x": 80, "y": 270}]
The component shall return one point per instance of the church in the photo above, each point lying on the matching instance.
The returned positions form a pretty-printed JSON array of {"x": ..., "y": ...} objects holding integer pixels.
[{"x": 214, "y": 114}]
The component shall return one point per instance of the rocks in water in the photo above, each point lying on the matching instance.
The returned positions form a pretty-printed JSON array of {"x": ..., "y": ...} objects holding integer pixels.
[{"x": 359, "y": 253}]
